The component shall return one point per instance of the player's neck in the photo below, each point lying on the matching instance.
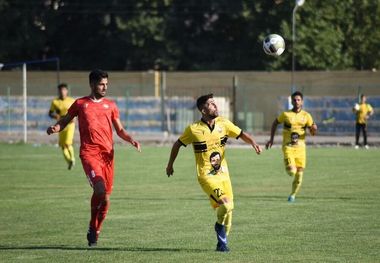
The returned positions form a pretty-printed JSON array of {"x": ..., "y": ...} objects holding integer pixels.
[
  {"x": 297, "y": 110},
  {"x": 209, "y": 121},
  {"x": 95, "y": 98}
]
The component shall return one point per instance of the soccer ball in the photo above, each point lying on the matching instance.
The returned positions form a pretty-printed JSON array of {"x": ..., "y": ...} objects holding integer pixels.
[{"x": 274, "y": 45}]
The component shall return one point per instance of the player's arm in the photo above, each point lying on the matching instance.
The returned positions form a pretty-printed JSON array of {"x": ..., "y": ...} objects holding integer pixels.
[
  {"x": 313, "y": 129},
  {"x": 247, "y": 138},
  {"x": 60, "y": 125},
  {"x": 122, "y": 133},
  {"x": 370, "y": 112},
  {"x": 272, "y": 133},
  {"x": 53, "y": 115},
  {"x": 173, "y": 155},
  {"x": 53, "y": 111}
]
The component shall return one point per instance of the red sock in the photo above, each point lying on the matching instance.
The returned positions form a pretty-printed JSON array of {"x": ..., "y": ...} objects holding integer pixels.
[
  {"x": 103, "y": 209},
  {"x": 95, "y": 201}
]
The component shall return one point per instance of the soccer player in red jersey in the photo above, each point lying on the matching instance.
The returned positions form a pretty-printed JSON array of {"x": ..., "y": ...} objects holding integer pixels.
[{"x": 96, "y": 116}]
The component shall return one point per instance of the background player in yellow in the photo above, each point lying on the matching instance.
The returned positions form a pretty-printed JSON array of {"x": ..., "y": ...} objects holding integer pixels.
[
  {"x": 58, "y": 109},
  {"x": 363, "y": 111},
  {"x": 208, "y": 137},
  {"x": 295, "y": 122}
]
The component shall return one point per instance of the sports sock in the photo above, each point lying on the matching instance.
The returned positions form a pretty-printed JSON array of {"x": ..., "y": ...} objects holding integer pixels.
[
  {"x": 228, "y": 222},
  {"x": 221, "y": 235},
  {"x": 66, "y": 154},
  {"x": 103, "y": 209},
  {"x": 96, "y": 200},
  {"x": 222, "y": 212},
  {"x": 297, "y": 183},
  {"x": 71, "y": 151}
]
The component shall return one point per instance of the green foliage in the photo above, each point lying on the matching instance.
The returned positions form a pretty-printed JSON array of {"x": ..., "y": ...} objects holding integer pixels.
[
  {"x": 190, "y": 35},
  {"x": 45, "y": 208}
]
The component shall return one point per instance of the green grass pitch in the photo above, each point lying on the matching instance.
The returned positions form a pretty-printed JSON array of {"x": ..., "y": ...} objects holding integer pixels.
[{"x": 44, "y": 208}]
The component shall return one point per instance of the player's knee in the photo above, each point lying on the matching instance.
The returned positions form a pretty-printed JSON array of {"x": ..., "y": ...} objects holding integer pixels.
[
  {"x": 291, "y": 171},
  {"x": 227, "y": 204},
  {"x": 99, "y": 188}
]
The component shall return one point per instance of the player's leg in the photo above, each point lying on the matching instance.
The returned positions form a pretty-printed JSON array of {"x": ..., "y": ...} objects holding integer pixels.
[
  {"x": 99, "y": 198},
  {"x": 92, "y": 166},
  {"x": 108, "y": 171},
  {"x": 357, "y": 135},
  {"x": 300, "y": 161},
  {"x": 223, "y": 223},
  {"x": 62, "y": 143},
  {"x": 290, "y": 166},
  {"x": 228, "y": 218},
  {"x": 364, "y": 128},
  {"x": 216, "y": 191},
  {"x": 296, "y": 185},
  {"x": 69, "y": 143}
]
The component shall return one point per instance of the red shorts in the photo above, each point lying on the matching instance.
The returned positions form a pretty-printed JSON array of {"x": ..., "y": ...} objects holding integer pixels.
[{"x": 99, "y": 168}]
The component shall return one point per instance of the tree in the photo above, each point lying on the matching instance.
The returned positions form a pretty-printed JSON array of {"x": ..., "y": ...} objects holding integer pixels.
[{"x": 190, "y": 35}]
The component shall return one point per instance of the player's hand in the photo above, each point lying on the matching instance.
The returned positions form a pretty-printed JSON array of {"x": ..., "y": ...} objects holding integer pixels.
[
  {"x": 136, "y": 144},
  {"x": 269, "y": 144},
  {"x": 169, "y": 171},
  {"x": 257, "y": 148},
  {"x": 313, "y": 129},
  {"x": 53, "y": 129}
]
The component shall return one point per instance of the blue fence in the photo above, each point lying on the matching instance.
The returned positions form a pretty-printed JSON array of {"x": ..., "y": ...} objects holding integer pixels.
[
  {"x": 140, "y": 114},
  {"x": 334, "y": 115}
]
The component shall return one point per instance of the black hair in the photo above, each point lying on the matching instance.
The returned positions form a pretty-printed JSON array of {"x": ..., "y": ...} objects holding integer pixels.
[
  {"x": 62, "y": 85},
  {"x": 97, "y": 75},
  {"x": 214, "y": 154},
  {"x": 297, "y": 93},
  {"x": 201, "y": 101},
  {"x": 362, "y": 95}
]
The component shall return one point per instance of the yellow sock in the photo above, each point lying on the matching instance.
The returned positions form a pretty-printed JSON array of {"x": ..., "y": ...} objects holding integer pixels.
[
  {"x": 71, "y": 151},
  {"x": 297, "y": 183},
  {"x": 228, "y": 222},
  {"x": 222, "y": 212},
  {"x": 66, "y": 154}
]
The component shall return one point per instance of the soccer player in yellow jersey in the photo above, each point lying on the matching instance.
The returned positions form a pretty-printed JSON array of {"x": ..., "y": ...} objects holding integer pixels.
[
  {"x": 58, "y": 109},
  {"x": 362, "y": 111},
  {"x": 295, "y": 122},
  {"x": 208, "y": 137}
]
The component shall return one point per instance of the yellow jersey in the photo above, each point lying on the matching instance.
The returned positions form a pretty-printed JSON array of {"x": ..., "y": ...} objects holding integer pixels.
[
  {"x": 295, "y": 124},
  {"x": 209, "y": 144},
  {"x": 61, "y": 106},
  {"x": 364, "y": 110}
]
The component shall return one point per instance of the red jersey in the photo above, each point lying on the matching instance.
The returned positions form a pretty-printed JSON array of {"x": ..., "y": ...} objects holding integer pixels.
[{"x": 95, "y": 120}]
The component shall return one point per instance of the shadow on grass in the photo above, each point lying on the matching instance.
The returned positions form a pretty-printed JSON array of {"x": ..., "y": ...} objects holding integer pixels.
[
  {"x": 121, "y": 249},
  {"x": 284, "y": 197}
]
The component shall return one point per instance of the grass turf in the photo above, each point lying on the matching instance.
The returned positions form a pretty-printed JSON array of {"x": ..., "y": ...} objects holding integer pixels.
[{"x": 45, "y": 208}]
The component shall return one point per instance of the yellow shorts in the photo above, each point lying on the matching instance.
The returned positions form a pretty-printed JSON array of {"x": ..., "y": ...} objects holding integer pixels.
[
  {"x": 217, "y": 187},
  {"x": 66, "y": 136},
  {"x": 294, "y": 156}
]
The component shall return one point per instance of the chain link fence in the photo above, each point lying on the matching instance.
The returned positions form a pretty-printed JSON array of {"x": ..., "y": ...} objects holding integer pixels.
[{"x": 164, "y": 102}]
